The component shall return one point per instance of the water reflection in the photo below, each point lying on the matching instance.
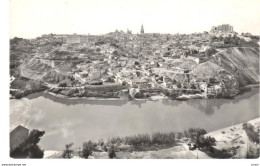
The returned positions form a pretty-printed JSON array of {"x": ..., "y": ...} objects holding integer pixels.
[{"x": 207, "y": 106}]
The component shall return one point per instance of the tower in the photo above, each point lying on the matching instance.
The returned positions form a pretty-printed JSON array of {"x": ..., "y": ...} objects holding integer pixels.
[{"x": 142, "y": 29}]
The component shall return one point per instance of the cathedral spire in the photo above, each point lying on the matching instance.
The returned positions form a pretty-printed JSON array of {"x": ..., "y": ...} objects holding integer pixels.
[{"x": 142, "y": 29}]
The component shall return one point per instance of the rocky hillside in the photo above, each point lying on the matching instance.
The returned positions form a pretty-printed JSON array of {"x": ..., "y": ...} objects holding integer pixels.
[
  {"x": 217, "y": 75},
  {"x": 243, "y": 62}
]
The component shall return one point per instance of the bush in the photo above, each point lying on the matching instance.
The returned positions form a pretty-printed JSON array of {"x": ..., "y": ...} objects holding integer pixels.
[{"x": 87, "y": 149}]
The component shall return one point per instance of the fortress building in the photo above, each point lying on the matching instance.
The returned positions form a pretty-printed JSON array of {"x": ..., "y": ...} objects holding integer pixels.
[{"x": 224, "y": 28}]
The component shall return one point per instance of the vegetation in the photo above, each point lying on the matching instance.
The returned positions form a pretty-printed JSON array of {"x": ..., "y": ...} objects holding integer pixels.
[
  {"x": 209, "y": 52},
  {"x": 87, "y": 149},
  {"x": 68, "y": 152},
  {"x": 154, "y": 141},
  {"x": 111, "y": 152}
]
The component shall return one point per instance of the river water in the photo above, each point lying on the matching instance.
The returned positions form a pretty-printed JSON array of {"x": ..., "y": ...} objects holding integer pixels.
[{"x": 78, "y": 120}]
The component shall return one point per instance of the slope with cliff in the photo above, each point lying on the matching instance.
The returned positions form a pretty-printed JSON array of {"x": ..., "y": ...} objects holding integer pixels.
[{"x": 241, "y": 61}]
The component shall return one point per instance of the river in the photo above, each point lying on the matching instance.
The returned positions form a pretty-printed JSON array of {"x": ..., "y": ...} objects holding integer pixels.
[{"x": 77, "y": 120}]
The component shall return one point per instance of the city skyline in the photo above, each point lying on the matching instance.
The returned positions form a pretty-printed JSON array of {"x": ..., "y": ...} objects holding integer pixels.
[{"x": 33, "y": 18}]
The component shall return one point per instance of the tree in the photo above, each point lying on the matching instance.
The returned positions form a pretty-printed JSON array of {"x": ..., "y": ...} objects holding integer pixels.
[
  {"x": 87, "y": 149},
  {"x": 209, "y": 142},
  {"x": 68, "y": 153},
  {"x": 195, "y": 133},
  {"x": 111, "y": 152}
]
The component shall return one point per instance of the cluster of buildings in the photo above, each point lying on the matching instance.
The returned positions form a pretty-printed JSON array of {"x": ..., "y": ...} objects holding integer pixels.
[{"x": 143, "y": 61}]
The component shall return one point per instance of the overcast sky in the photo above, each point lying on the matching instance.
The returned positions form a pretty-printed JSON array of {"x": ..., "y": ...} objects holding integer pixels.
[{"x": 32, "y": 18}]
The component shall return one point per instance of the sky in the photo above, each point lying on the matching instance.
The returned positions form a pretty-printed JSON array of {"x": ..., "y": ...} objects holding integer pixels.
[{"x": 32, "y": 18}]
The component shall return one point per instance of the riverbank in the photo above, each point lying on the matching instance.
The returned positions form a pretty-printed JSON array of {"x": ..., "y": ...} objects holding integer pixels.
[
  {"x": 115, "y": 92},
  {"x": 152, "y": 98},
  {"x": 232, "y": 139}
]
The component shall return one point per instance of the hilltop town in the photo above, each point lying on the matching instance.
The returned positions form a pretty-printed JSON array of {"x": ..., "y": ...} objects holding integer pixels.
[{"x": 214, "y": 64}]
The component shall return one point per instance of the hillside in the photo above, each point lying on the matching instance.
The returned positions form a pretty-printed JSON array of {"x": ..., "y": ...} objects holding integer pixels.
[
  {"x": 35, "y": 69},
  {"x": 244, "y": 62}
]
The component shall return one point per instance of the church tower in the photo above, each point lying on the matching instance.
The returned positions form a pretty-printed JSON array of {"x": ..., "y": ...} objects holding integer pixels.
[{"x": 142, "y": 29}]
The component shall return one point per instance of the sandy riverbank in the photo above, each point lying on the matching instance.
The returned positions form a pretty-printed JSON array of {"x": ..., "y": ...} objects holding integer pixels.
[{"x": 235, "y": 137}]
